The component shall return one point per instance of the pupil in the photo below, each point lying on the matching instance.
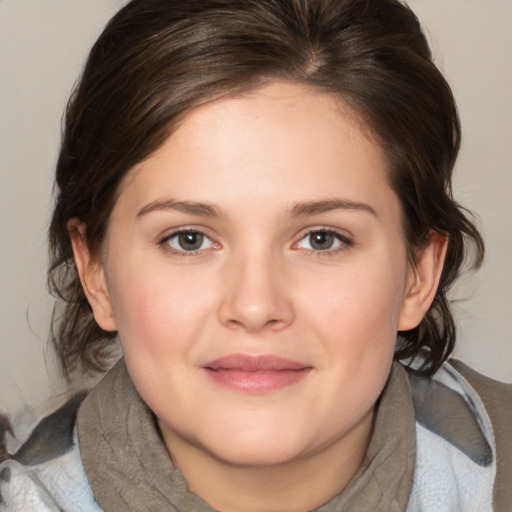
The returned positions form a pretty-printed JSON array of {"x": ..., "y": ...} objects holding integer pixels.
[
  {"x": 321, "y": 240},
  {"x": 190, "y": 241}
]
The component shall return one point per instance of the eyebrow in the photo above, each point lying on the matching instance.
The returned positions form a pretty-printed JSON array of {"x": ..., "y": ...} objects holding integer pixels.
[
  {"x": 304, "y": 209},
  {"x": 300, "y": 209},
  {"x": 189, "y": 207}
]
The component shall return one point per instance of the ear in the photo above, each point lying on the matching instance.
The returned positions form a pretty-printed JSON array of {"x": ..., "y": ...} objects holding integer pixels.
[
  {"x": 92, "y": 276},
  {"x": 423, "y": 281}
]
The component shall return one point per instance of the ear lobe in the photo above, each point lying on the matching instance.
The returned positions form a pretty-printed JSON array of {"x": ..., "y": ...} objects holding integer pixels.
[
  {"x": 92, "y": 276},
  {"x": 423, "y": 281}
]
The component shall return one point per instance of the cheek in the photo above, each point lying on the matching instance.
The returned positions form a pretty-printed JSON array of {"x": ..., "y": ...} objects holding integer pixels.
[
  {"x": 156, "y": 310},
  {"x": 159, "y": 322},
  {"x": 358, "y": 300},
  {"x": 356, "y": 314}
]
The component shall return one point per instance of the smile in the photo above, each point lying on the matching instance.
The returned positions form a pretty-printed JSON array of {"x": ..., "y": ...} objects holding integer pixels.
[{"x": 256, "y": 374}]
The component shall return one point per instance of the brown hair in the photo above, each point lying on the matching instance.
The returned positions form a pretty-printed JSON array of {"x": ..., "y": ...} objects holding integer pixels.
[{"x": 158, "y": 59}]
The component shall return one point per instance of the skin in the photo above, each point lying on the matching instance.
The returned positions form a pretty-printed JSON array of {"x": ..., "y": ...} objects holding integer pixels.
[{"x": 261, "y": 176}]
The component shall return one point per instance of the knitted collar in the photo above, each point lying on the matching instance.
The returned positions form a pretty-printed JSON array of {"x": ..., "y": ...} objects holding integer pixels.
[{"x": 129, "y": 469}]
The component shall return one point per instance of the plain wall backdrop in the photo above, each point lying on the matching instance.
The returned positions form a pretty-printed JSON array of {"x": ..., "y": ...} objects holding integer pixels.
[{"x": 43, "y": 45}]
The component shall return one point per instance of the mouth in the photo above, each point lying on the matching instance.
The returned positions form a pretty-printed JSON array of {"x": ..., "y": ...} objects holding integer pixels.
[{"x": 256, "y": 374}]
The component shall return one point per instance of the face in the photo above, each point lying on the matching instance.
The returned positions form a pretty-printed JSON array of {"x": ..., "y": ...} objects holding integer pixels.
[{"x": 256, "y": 271}]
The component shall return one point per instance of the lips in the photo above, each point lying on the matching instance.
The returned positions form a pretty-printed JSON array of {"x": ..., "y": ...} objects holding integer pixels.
[{"x": 256, "y": 374}]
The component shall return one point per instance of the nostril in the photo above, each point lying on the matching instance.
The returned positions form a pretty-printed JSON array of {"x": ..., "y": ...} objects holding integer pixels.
[{"x": 254, "y": 326}]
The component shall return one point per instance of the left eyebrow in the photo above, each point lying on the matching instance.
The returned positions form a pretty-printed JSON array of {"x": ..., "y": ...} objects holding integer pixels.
[
  {"x": 304, "y": 209},
  {"x": 189, "y": 207}
]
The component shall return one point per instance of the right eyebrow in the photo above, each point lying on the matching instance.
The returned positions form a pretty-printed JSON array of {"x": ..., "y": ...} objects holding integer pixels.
[{"x": 189, "y": 207}]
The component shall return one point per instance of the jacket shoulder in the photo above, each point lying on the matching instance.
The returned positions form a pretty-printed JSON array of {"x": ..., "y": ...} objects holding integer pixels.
[
  {"x": 497, "y": 399},
  {"x": 46, "y": 473}
]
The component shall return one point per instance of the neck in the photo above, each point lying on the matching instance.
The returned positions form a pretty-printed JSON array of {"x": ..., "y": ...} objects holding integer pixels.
[{"x": 298, "y": 485}]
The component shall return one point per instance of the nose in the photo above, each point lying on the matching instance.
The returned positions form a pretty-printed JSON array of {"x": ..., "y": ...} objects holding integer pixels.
[{"x": 256, "y": 296}]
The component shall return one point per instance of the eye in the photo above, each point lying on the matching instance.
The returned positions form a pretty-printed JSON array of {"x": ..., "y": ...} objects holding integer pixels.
[
  {"x": 187, "y": 241},
  {"x": 323, "y": 240}
]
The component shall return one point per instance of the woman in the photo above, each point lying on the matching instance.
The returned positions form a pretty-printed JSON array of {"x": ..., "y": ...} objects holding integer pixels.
[{"x": 255, "y": 199}]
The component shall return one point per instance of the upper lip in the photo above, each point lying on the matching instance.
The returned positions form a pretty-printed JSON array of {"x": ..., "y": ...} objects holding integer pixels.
[{"x": 261, "y": 363}]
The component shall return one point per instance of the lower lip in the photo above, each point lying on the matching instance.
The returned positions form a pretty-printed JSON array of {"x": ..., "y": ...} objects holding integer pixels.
[{"x": 257, "y": 382}]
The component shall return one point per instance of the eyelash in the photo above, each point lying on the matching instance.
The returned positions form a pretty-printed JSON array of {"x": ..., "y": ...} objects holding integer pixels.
[
  {"x": 345, "y": 242},
  {"x": 164, "y": 242}
]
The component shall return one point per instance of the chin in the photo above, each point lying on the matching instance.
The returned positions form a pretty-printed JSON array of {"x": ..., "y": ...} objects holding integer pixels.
[
  {"x": 256, "y": 457},
  {"x": 272, "y": 451}
]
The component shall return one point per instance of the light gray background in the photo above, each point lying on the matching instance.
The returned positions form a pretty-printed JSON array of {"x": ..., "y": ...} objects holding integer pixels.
[{"x": 42, "y": 48}]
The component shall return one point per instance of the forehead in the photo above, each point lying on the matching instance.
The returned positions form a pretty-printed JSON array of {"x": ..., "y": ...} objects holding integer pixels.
[
  {"x": 269, "y": 115},
  {"x": 275, "y": 139}
]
